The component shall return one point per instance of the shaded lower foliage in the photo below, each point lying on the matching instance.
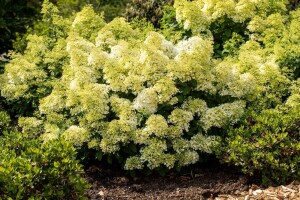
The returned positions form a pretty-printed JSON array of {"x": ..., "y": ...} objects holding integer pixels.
[{"x": 30, "y": 169}]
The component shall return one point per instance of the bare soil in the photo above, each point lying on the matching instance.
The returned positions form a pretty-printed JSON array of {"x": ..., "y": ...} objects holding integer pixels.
[
  {"x": 217, "y": 182},
  {"x": 203, "y": 183}
]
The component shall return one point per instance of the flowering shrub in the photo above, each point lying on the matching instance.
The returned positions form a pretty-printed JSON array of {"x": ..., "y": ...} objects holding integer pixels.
[
  {"x": 123, "y": 86},
  {"x": 199, "y": 14}
]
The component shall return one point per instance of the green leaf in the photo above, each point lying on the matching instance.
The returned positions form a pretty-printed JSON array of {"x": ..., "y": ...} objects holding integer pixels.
[
  {"x": 133, "y": 147},
  {"x": 109, "y": 159},
  {"x": 99, "y": 155}
]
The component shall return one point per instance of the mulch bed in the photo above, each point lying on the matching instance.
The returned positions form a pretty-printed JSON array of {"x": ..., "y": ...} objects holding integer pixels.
[
  {"x": 218, "y": 183},
  {"x": 288, "y": 192}
]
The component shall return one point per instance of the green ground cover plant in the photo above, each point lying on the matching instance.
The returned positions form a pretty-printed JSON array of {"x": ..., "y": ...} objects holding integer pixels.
[
  {"x": 32, "y": 169},
  {"x": 267, "y": 144}
]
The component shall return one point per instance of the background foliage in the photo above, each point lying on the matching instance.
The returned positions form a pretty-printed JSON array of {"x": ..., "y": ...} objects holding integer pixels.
[
  {"x": 149, "y": 9},
  {"x": 16, "y": 17},
  {"x": 20, "y": 17}
]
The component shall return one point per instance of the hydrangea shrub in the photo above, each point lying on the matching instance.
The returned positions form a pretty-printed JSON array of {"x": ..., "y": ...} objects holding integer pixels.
[
  {"x": 267, "y": 140},
  {"x": 122, "y": 86}
]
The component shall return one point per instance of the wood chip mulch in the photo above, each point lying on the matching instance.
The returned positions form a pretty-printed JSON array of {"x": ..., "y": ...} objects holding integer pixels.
[
  {"x": 214, "y": 184},
  {"x": 288, "y": 192}
]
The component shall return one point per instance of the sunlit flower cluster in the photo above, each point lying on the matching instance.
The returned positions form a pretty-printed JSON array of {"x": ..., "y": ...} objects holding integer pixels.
[
  {"x": 76, "y": 135},
  {"x": 223, "y": 114},
  {"x": 197, "y": 15},
  {"x": 147, "y": 101},
  {"x": 31, "y": 125}
]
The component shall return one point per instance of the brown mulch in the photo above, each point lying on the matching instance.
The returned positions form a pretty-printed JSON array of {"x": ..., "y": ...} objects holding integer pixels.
[
  {"x": 208, "y": 183},
  {"x": 288, "y": 192}
]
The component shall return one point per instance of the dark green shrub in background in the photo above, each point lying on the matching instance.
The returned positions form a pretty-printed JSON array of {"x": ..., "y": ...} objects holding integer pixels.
[
  {"x": 19, "y": 18},
  {"x": 16, "y": 16},
  {"x": 30, "y": 169},
  {"x": 170, "y": 28},
  {"x": 110, "y": 8},
  {"x": 149, "y": 9}
]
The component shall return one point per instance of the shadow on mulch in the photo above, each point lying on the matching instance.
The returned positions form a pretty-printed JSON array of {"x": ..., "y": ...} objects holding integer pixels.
[{"x": 206, "y": 182}]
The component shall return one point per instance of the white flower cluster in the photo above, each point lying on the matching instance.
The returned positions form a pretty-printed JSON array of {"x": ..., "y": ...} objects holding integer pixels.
[
  {"x": 197, "y": 15},
  {"x": 76, "y": 135},
  {"x": 31, "y": 125},
  {"x": 232, "y": 81},
  {"x": 195, "y": 106},
  {"x": 146, "y": 101},
  {"x": 223, "y": 114}
]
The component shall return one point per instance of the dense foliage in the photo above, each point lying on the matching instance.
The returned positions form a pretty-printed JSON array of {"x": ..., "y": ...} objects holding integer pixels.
[
  {"x": 31, "y": 169},
  {"x": 19, "y": 18},
  {"x": 110, "y": 8},
  {"x": 4, "y": 122},
  {"x": 223, "y": 78},
  {"x": 151, "y": 10},
  {"x": 15, "y": 17},
  {"x": 267, "y": 143}
]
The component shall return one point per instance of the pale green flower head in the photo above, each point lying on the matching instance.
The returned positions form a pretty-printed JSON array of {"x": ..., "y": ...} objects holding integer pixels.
[
  {"x": 203, "y": 143},
  {"x": 180, "y": 145},
  {"x": 293, "y": 101},
  {"x": 225, "y": 114},
  {"x": 187, "y": 157},
  {"x": 166, "y": 89},
  {"x": 181, "y": 118},
  {"x": 157, "y": 125},
  {"x": 195, "y": 106},
  {"x": 76, "y": 135},
  {"x": 197, "y": 15},
  {"x": 146, "y": 102},
  {"x": 87, "y": 23},
  {"x": 154, "y": 154},
  {"x": 159, "y": 42},
  {"x": 31, "y": 126}
]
